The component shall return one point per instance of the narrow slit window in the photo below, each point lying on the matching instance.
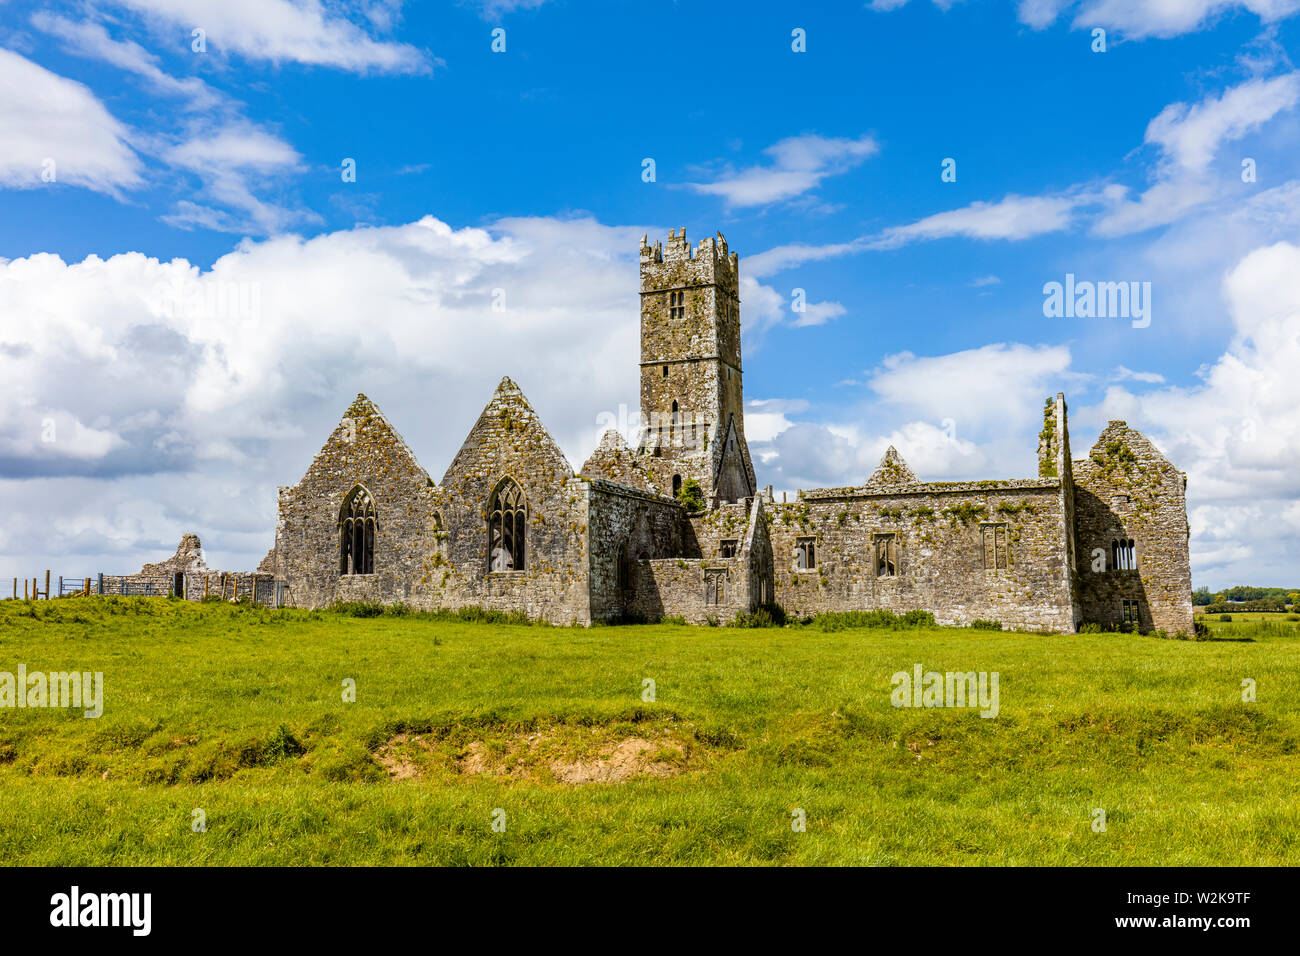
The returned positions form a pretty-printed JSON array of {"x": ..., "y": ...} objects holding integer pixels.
[
  {"x": 886, "y": 556},
  {"x": 996, "y": 555},
  {"x": 715, "y": 587},
  {"x": 624, "y": 570}
]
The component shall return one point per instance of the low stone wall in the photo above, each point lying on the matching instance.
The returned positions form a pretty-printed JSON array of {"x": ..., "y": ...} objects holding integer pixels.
[
  {"x": 225, "y": 585},
  {"x": 681, "y": 587},
  {"x": 939, "y": 553}
]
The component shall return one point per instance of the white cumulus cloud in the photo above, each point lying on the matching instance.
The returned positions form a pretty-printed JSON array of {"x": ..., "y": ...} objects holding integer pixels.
[{"x": 46, "y": 118}]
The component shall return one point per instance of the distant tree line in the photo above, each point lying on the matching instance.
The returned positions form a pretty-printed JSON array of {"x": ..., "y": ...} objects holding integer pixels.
[{"x": 1267, "y": 598}]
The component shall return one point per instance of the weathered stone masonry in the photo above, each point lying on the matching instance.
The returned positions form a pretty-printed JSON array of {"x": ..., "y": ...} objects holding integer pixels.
[{"x": 511, "y": 526}]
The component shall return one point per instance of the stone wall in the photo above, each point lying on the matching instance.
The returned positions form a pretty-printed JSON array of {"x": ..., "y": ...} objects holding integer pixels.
[
  {"x": 234, "y": 585},
  {"x": 431, "y": 546},
  {"x": 626, "y": 529},
  {"x": 363, "y": 450},
  {"x": 186, "y": 574},
  {"x": 614, "y": 461},
  {"x": 1126, "y": 489},
  {"x": 939, "y": 531},
  {"x": 710, "y": 589},
  {"x": 509, "y": 442}
]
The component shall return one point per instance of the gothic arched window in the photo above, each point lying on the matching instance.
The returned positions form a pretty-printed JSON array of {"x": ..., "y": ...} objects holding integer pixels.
[
  {"x": 357, "y": 533},
  {"x": 507, "y": 513}
]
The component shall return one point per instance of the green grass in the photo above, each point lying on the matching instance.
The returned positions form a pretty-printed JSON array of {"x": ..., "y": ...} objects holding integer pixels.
[
  {"x": 1252, "y": 625},
  {"x": 238, "y": 711}
]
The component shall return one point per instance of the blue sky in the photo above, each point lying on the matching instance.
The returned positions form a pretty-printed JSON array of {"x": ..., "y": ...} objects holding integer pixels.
[{"x": 131, "y": 414}]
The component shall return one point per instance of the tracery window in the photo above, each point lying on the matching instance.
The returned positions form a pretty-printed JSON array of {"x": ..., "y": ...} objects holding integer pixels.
[
  {"x": 507, "y": 514},
  {"x": 357, "y": 527}
]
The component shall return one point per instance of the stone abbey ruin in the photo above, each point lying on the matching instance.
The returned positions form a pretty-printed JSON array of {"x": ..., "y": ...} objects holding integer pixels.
[{"x": 511, "y": 526}]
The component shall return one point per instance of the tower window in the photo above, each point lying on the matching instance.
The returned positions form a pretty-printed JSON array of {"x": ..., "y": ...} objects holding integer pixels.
[
  {"x": 1131, "y": 612},
  {"x": 805, "y": 554},
  {"x": 727, "y": 549},
  {"x": 676, "y": 305},
  {"x": 886, "y": 555},
  {"x": 665, "y": 371},
  {"x": 506, "y": 518},
  {"x": 1123, "y": 555},
  {"x": 357, "y": 533},
  {"x": 677, "y": 485}
]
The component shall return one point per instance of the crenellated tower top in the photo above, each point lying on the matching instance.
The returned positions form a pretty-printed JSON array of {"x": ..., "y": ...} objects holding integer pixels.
[{"x": 691, "y": 396}]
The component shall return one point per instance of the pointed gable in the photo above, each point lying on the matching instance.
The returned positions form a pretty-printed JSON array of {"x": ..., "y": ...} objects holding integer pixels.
[
  {"x": 733, "y": 477},
  {"x": 364, "y": 443},
  {"x": 614, "y": 461},
  {"x": 1117, "y": 435},
  {"x": 1121, "y": 453},
  {"x": 508, "y": 438},
  {"x": 892, "y": 471}
]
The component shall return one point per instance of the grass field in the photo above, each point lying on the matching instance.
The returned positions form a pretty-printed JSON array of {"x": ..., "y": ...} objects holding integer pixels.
[{"x": 239, "y": 712}]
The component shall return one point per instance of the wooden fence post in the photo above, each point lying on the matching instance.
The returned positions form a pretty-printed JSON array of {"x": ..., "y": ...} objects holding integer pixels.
[
  {"x": 87, "y": 587},
  {"x": 205, "y": 587}
]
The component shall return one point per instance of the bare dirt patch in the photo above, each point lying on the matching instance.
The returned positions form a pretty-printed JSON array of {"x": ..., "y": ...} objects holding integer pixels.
[
  {"x": 391, "y": 756},
  {"x": 570, "y": 759},
  {"x": 632, "y": 757},
  {"x": 564, "y": 755}
]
